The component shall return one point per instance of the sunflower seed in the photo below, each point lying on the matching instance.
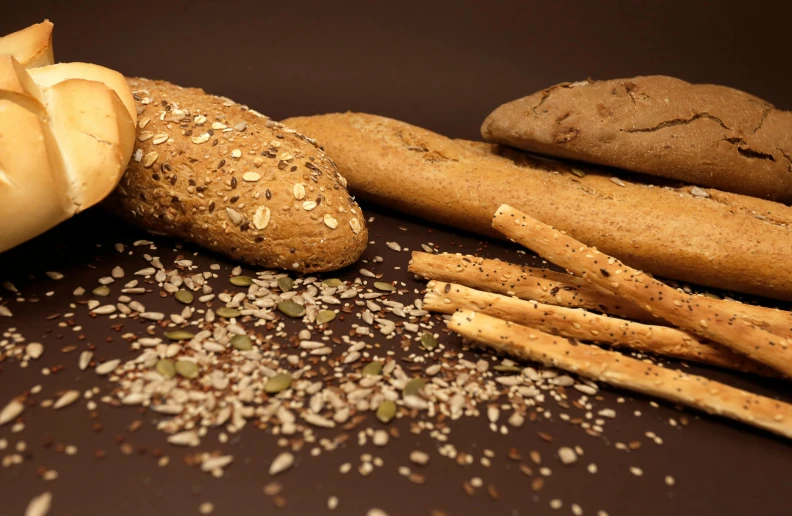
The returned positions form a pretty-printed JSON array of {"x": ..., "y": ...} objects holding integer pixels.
[
  {"x": 187, "y": 438},
  {"x": 148, "y": 271},
  {"x": 394, "y": 246},
  {"x": 216, "y": 462},
  {"x": 281, "y": 463},
  {"x": 104, "y": 310},
  {"x": 11, "y": 411},
  {"x": 187, "y": 369},
  {"x": 278, "y": 383},
  {"x": 152, "y": 316},
  {"x": 241, "y": 281},
  {"x": 107, "y": 367},
  {"x": 567, "y": 455},
  {"x": 34, "y": 350},
  {"x": 85, "y": 360},
  {"x": 66, "y": 399},
  {"x": 54, "y": 275},
  {"x": 39, "y": 505},
  {"x": 179, "y": 335},
  {"x": 184, "y": 296},
  {"x": 291, "y": 309},
  {"x": 419, "y": 457},
  {"x": 578, "y": 172},
  {"x": 380, "y": 438},
  {"x": 234, "y": 216},
  {"x": 5, "y": 312}
]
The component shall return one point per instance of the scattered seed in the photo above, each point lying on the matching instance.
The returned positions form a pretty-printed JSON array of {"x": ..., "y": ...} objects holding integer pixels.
[
  {"x": 227, "y": 313},
  {"x": 55, "y": 275},
  {"x": 107, "y": 367},
  {"x": 414, "y": 386},
  {"x": 372, "y": 368},
  {"x": 332, "y": 282},
  {"x": 242, "y": 342},
  {"x": 567, "y": 455},
  {"x": 325, "y": 316},
  {"x": 241, "y": 281},
  {"x": 281, "y": 463},
  {"x": 285, "y": 283},
  {"x": 278, "y": 383},
  {"x": 39, "y": 505},
  {"x": 166, "y": 367},
  {"x": 34, "y": 350},
  {"x": 386, "y": 411},
  {"x": 428, "y": 341},
  {"x": 101, "y": 291},
  {"x": 85, "y": 360},
  {"x": 187, "y": 369},
  {"x": 184, "y": 296},
  {"x": 385, "y": 287},
  {"x": 179, "y": 335},
  {"x": 419, "y": 457},
  {"x": 66, "y": 399},
  {"x": 11, "y": 411},
  {"x": 291, "y": 309}
]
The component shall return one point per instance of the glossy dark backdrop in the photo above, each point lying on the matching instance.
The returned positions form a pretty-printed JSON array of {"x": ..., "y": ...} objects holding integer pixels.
[{"x": 442, "y": 65}]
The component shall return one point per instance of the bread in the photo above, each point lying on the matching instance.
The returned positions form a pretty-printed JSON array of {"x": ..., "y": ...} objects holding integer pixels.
[
  {"x": 724, "y": 240},
  {"x": 31, "y": 46},
  {"x": 628, "y": 373},
  {"x": 64, "y": 141},
  {"x": 699, "y": 133},
  {"x": 216, "y": 173},
  {"x": 575, "y": 323},
  {"x": 691, "y": 313}
]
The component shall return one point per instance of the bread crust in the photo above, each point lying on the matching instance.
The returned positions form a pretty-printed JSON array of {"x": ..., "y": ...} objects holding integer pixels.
[
  {"x": 725, "y": 240},
  {"x": 216, "y": 173},
  {"x": 695, "y": 314},
  {"x": 579, "y": 324},
  {"x": 625, "y": 372},
  {"x": 703, "y": 134}
]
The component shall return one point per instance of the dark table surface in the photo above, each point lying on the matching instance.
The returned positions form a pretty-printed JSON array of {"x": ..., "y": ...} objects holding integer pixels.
[{"x": 440, "y": 65}]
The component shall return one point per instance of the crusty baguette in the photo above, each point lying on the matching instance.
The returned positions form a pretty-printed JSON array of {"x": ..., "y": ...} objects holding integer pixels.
[
  {"x": 703, "y": 134},
  {"x": 625, "y": 372},
  {"x": 65, "y": 144},
  {"x": 530, "y": 283},
  {"x": 691, "y": 313},
  {"x": 561, "y": 289},
  {"x": 216, "y": 173},
  {"x": 31, "y": 46},
  {"x": 719, "y": 243},
  {"x": 579, "y": 324}
]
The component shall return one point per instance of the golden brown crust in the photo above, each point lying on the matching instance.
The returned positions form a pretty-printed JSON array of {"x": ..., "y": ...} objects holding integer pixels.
[
  {"x": 530, "y": 283},
  {"x": 696, "y": 314},
  {"x": 216, "y": 173},
  {"x": 668, "y": 232},
  {"x": 699, "y": 133},
  {"x": 560, "y": 289},
  {"x": 579, "y": 324},
  {"x": 625, "y": 372}
]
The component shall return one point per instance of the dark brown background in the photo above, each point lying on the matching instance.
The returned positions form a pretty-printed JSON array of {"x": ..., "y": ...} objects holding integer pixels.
[{"x": 442, "y": 65}]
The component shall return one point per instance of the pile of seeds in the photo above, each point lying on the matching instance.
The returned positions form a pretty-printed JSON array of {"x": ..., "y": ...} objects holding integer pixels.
[{"x": 262, "y": 350}]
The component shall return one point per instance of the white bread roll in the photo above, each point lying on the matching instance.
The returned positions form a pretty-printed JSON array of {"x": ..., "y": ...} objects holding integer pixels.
[
  {"x": 67, "y": 132},
  {"x": 31, "y": 46}
]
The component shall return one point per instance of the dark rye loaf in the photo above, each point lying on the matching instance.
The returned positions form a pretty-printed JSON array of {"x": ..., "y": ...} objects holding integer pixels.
[
  {"x": 698, "y": 133},
  {"x": 221, "y": 175},
  {"x": 716, "y": 240}
]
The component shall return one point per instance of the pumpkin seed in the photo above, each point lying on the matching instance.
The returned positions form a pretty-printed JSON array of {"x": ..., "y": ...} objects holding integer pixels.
[
  {"x": 101, "y": 291},
  {"x": 385, "y": 287},
  {"x": 578, "y": 172},
  {"x": 413, "y": 386},
  {"x": 386, "y": 411},
  {"x": 372, "y": 368},
  {"x": 241, "y": 281},
  {"x": 179, "y": 335},
  {"x": 507, "y": 368},
  {"x": 325, "y": 316},
  {"x": 242, "y": 342},
  {"x": 166, "y": 368},
  {"x": 291, "y": 308},
  {"x": 428, "y": 341},
  {"x": 227, "y": 313},
  {"x": 278, "y": 383},
  {"x": 332, "y": 282},
  {"x": 285, "y": 283},
  {"x": 184, "y": 296},
  {"x": 187, "y": 369}
]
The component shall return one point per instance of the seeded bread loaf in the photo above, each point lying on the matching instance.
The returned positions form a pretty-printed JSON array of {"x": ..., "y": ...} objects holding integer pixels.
[
  {"x": 703, "y": 134},
  {"x": 216, "y": 173},
  {"x": 713, "y": 238}
]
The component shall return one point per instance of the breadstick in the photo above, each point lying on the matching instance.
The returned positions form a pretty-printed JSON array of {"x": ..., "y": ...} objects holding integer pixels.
[
  {"x": 625, "y": 372},
  {"x": 555, "y": 288},
  {"x": 576, "y": 323},
  {"x": 693, "y": 313}
]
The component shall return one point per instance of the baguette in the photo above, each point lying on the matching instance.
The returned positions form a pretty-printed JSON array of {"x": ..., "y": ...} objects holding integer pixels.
[
  {"x": 625, "y": 372},
  {"x": 720, "y": 243},
  {"x": 223, "y": 176},
  {"x": 691, "y": 313},
  {"x": 556, "y": 288},
  {"x": 703, "y": 134},
  {"x": 579, "y": 324}
]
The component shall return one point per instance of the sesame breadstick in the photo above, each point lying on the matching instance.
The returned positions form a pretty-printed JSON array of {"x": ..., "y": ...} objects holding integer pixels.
[
  {"x": 555, "y": 288},
  {"x": 693, "y": 313},
  {"x": 625, "y": 372},
  {"x": 576, "y": 323}
]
